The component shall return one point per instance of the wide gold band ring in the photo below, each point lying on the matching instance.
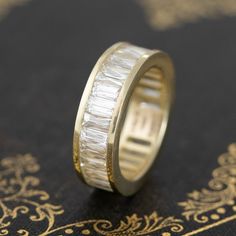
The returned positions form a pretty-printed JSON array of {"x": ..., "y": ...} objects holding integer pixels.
[{"x": 122, "y": 117}]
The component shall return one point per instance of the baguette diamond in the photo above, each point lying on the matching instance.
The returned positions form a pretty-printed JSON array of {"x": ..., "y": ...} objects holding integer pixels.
[
  {"x": 122, "y": 117},
  {"x": 98, "y": 113}
]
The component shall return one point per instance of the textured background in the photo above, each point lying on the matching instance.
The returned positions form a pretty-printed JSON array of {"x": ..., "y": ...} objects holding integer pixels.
[{"x": 47, "y": 50}]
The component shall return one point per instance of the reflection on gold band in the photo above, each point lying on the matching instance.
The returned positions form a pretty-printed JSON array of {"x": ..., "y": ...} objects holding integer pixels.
[{"x": 122, "y": 117}]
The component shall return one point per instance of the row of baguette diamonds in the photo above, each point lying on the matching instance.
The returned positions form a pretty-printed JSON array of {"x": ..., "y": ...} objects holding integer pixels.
[{"x": 97, "y": 117}]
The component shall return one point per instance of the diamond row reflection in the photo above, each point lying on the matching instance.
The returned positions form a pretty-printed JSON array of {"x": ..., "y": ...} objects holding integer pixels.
[{"x": 97, "y": 117}]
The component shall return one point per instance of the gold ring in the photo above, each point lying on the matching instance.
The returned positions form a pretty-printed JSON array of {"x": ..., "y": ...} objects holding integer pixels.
[{"x": 122, "y": 117}]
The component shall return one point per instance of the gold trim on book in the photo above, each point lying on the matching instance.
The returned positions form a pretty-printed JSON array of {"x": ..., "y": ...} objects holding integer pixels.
[
  {"x": 210, "y": 226},
  {"x": 21, "y": 196},
  {"x": 131, "y": 225},
  {"x": 163, "y": 15},
  {"x": 7, "y": 5},
  {"x": 221, "y": 192}
]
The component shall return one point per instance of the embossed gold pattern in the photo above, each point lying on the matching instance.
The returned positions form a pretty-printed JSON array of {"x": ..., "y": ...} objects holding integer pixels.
[
  {"x": 20, "y": 195},
  {"x": 221, "y": 191},
  {"x": 132, "y": 225},
  {"x": 6, "y": 6},
  {"x": 168, "y": 14}
]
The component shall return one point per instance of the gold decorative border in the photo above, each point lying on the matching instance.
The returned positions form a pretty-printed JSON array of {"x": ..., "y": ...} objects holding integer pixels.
[
  {"x": 163, "y": 15},
  {"x": 167, "y": 14},
  {"x": 215, "y": 205},
  {"x": 21, "y": 197},
  {"x": 221, "y": 192},
  {"x": 7, "y": 5},
  {"x": 132, "y": 225},
  {"x": 207, "y": 208}
]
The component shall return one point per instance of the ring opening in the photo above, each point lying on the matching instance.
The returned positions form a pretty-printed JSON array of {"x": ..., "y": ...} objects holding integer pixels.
[{"x": 141, "y": 132}]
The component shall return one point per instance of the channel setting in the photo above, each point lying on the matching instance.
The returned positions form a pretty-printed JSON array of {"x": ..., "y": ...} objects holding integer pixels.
[{"x": 104, "y": 153}]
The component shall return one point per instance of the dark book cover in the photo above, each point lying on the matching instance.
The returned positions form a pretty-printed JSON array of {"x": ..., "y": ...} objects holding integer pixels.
[{"x": 47, "y": 50}]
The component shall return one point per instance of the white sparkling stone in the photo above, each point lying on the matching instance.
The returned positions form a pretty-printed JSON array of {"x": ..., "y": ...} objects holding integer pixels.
[
  {"x": 93, "y": 140},
  {"x": 90, "y": 147},
  {"x": 96, "y": 121},
  {"x": 114, "y": 71},
  {"x": 99, "y": 109},
  {"x": 97, "y": 174},
  {"x": 100, "y": 106},
  {"x": 93, "y": 135},
  {"x": 105, "y": 89},
  {"x": 94, "y": 162},
  {"x": 103, "y": 184},
  {"x": 86, "y": 152},
  {"x": 103, "y": 78},
  {"x": 134, "y": 51},
  {"x": 123, "y": 59}
]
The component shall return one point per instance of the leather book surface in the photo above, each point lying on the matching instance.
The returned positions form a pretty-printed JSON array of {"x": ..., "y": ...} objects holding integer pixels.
[{"x": 47, "y": 51}]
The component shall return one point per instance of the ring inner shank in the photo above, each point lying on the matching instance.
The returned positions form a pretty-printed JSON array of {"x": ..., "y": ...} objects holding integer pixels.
[{"x": 141, "y": 130}]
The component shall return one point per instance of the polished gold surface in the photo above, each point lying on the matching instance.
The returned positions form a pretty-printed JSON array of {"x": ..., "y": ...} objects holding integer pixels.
[
  {"x": 142, "y": 125},
  {"x": 137, "y": 123}
]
